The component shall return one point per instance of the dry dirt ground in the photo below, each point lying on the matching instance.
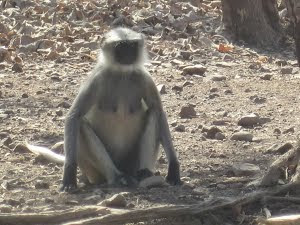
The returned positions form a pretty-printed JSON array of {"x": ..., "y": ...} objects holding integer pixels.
[{"x": 36, "y": 91}]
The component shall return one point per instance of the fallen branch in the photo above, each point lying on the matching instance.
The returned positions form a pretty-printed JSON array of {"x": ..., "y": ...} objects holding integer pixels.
[
  {"x": 122, "y": 217},
  {"x": 285, "y": 161},
  {"x": 282, "y": 199},
  {"x": 52, "y": 217},
  {"x": 104, "y": 215}
]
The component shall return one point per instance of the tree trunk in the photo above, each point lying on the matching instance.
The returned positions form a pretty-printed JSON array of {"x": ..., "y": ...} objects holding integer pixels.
[
  {"x": 293, "y": 8},
  {"x": 254, "y": 21}
]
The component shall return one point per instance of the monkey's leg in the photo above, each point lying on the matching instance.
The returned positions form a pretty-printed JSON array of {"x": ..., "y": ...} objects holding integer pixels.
[
  {"x": 93, "y": 159},
  {"x": 148, "y": 148}
]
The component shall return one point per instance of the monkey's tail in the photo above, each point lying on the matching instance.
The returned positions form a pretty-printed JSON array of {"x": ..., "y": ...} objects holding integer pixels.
[{"x": 46, "y": 153}]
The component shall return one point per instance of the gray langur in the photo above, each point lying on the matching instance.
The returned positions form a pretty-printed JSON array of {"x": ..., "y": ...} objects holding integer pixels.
[{"x": 116, "y": 123}]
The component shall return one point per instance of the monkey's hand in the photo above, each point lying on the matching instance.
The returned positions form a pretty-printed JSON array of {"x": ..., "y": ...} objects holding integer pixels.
[
  {"x": 69, "y": 183},
  {"x": 126, "y": 180},
  {"x": 143, "y": 174},
  {"x": 173, "y": 176}
]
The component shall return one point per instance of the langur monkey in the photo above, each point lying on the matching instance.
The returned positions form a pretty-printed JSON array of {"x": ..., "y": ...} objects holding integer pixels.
[{"x": 116, "y": 123}]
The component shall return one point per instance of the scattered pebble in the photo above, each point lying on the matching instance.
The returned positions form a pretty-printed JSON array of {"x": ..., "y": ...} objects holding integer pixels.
[
  {"x": 17, "y": 68},
  {"x": 161, "y": 88},
  {"x": 286, "y": 70},
  {"x": 289, "y": 130},
  {"x": 187, "y": 111},
  {"x": 218, "y": 77},
  {"x": 180, "y": 128},
  {"x": 266, "y": 77},
  {"x": 25, "y": 95},
  {"x": 249, "y": 120},
  {"x": 196, "y": 69},
  {"x": 242, "y": 136},
  {"x": 116, "y": 201},
  {"x": 245, "y": 169},
  {"x": 7, "y": 141},
  {"x": 20, "y": 148},
  {"x": 211, "y": 132},
  {"x": 59, "y": 112},
  {"x": 41, "y": 185},
  {"x": 177, "y": 88}
]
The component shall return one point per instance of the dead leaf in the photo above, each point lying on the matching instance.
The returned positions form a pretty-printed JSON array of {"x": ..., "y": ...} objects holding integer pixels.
[{"x": 224, "y": 48}]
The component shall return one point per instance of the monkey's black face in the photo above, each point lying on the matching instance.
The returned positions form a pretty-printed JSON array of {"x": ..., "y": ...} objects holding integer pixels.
[{"x": 126, "y": 52}]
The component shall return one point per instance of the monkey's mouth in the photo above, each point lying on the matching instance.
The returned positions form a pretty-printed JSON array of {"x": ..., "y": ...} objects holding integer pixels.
[{"x": 126, "y": 53}]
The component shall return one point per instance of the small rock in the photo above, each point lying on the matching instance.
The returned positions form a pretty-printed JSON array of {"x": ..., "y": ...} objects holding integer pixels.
[
  {"x": 187, "y": 111},
  {"x": 220, "y": 122},
  {"x": 180, "y": 128},
  {"x": 289, "y": 130},
  {"x": 277, "y": 131},
  {"x": 25, "y": 95},
  {"x": 266, "y": 77},
  {"x": 161, "y": 88},
  {"x": 7, "y": 141},
  {"x": 220, "y": 136},
  {"x": 213, "y": 89},
  {"x": 59, "y": 112},
  {"x": 20, "y": 148},
  {"x": 116, "y": 201},
  {"x": 17, "y": 68},
  {"x": 242, "y": 136},
  {"x": 286, "y": 70},
  {"x": 249, "y": 120},
  {"x": 245, "y": 169},
  {"x": 259, "y": 100},
  {"x": 196, "y": 69},
  {"x": 56, "y": 78},
  {"x": 218, "y": 77},
  {"x": 41, "y": 185},
  {"x": 281, "y": 62},
  {"x": 65, "y": 105},
  {"x": 153, "y": 181},
  {"x": 228, "y": 92},
  {"x": 5, "y": 208},
  {"x": 214, "y": 95},
  {"x": 227, "y": 57},
  {"x": 177, "y": 88},
  {"x": 280, "y": 149},
  {"x": 211, "y": 132}
]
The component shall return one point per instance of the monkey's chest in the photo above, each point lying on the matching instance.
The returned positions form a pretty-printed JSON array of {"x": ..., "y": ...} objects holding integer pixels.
[{"x": 118, "y": 124}]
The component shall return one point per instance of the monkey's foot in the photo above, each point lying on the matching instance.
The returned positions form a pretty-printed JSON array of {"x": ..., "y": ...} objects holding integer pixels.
[
  {"x": 173, "y": 176},
  {"x": 143, "y": 174},
  {"x": 72, "y": 188}
]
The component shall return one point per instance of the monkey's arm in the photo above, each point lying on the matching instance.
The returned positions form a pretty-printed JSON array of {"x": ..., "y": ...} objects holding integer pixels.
[
  {"x": 154, "y": 103},
  {"x": 81, "y": 105}
]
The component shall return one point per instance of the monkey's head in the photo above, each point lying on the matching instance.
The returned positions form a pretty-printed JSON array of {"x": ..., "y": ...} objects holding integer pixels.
[{"x": 124, "y": 47}]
